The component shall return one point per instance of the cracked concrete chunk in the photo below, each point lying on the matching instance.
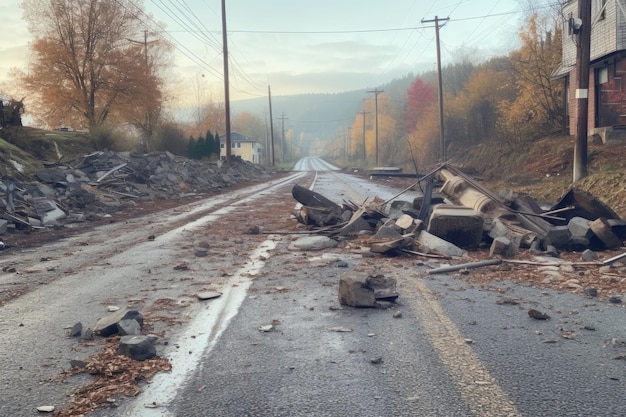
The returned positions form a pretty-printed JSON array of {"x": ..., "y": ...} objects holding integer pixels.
[{"x": 137, "y": 347}]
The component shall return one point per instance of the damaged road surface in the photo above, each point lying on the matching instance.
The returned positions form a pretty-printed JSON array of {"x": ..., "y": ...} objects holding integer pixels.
[{"x": 243, "y": 301}]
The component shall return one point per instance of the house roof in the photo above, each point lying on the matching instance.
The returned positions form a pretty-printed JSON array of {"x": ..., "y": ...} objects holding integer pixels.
[{"x": 237, "y": 137}]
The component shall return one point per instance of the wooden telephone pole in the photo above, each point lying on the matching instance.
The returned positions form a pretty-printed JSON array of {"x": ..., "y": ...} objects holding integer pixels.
[
  {"x": 226, "y": 83},
  {"x": 376, "y": 92},
  {"x": 442, "y": 139},
  {"x": 363, "y": 113},
  {"x": 583, "y": 55},
  {"x": 269, "y": 93}
]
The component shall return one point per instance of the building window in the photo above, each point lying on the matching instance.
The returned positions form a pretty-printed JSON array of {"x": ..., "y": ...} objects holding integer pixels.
[
  {"x": 222, "y": 145},
  {"x": 602, "y": 75},
  {"x": 235, "y": 145}
]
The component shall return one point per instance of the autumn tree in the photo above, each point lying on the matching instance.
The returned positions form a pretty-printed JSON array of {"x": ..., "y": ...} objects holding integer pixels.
[
  {"x": 474, "y": 115},
  {"x": 539, "y": 106},
  {"x": 91, "y": 64},
  {"x": 211, "y": 116},
  {"x": 420, "y": 97},
  {"x": 421, "y": 122}
]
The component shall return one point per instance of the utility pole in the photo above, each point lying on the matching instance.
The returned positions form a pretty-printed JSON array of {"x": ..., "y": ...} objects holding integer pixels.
[
  {"x": 442, "y": 139},
  {"x": 226, "y": 83},
  {"x": 269, "y": 93},
  {"x": 282, "y": 144},
  {"x": 583, "y": 53},
  {"x": 148, "y": 127},
  {"x": 348, "y": 143},
  {"x": 376, "y": 92},
  {"x": 363, "y": 113}
]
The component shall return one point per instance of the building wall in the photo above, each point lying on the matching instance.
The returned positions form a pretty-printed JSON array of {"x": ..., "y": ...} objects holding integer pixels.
[
  {"x": 248, "y": 151},
  {"x": 604, "y": 31},
  {"x": 608, "y": 36}
]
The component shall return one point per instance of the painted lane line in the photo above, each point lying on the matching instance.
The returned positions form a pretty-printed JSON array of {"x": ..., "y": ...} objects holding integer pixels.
[
  {"x": 477, "y": 386},
  {"x": 213, "y": 320}
]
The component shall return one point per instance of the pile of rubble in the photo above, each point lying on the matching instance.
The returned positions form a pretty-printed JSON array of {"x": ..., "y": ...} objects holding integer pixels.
[
  {"x": 101, "y": 183},
  {"x": 462, "y": 215}
]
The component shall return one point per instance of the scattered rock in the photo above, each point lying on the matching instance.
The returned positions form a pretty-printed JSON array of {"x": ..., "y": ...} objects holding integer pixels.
[
  {"x": 341, "y": 264},
  {"x": 311, "y": 243},
  {"x": 507, "y": 301},
  {"x": 537, "y": 315},
  {"x": 591, "y": 292},
  {"x": 588, "y": 256},
  {"x": 75, "y": 363},
  {"x": 136, "y": 347},
  {"x": 208, "y": 295},
  {"x": 107, "y": 325},
  {"x": 128, "y": 327},
  {"x": 87, "y": 335},
  {"x": 253, "y": 230},
  {"x": 615, "y": 300},
  {"x": 365, "y": 290},
  {"x": 46, "y": 408},
  {"x": 340, "y": 329},
  {"x": 397, "y": 315},
  {"x": 266, "y": 328},
  {"x": 76, "y": 330}
]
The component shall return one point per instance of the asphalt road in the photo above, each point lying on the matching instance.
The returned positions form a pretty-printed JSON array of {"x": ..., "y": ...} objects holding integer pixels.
[{"x": 456, "y": 350}]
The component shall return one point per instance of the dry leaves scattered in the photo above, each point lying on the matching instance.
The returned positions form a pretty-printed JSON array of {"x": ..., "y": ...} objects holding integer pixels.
[{"x": 116, "y": 375}]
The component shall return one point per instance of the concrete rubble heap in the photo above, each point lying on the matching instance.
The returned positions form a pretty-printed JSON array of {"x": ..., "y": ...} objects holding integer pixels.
[
  {"x": 463, "y": 215},
  {"x": 102, "y": 183}
]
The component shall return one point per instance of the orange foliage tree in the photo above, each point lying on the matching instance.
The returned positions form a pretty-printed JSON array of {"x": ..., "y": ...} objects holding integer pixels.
[
  {"x": 92, "y": 63},
  {"x": 539, "y": 106}
]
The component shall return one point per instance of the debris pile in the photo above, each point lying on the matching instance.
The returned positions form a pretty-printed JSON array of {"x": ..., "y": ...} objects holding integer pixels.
[
  {"x": 102, "y": 183},
  {"x": 128, "y": 358},
  {"x": 463, "y": 215}
]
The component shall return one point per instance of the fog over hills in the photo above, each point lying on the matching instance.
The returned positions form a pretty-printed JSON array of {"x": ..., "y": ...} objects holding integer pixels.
[{"x": 319, "y": 116}]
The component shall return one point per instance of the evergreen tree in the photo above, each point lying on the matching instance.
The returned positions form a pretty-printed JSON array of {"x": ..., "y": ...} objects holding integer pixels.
[
  {"x": 200, "y": 145},
  {"x": 191, "y": 148}
]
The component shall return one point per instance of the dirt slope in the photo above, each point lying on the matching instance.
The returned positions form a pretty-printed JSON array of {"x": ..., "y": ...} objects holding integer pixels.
[{"x": 545, "y": 169}]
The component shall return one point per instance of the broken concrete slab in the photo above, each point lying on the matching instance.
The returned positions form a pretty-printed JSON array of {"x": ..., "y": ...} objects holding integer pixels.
[
  {"x": 503, "y": 246},
  {"x": 137, "y": 347},
  {"x": 356, "y": 227},
  {"x": 366, "y": 290},
  {"x": 390, "y": 231},
  {"x": 428, "y": 243},
  {"x": 107, "y": 325},
  {"x": 459, "y": 225},
  {"x": 583, "y": 204},
  {"x": 558, "y": 236},
  {"x": 354, "y": 292}
]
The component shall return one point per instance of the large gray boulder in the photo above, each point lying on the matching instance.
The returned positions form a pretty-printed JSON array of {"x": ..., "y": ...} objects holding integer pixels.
[{"x": 137, "y": 347}]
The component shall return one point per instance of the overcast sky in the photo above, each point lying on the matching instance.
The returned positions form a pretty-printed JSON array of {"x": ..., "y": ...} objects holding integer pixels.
[{"x": 299, "y": 46}]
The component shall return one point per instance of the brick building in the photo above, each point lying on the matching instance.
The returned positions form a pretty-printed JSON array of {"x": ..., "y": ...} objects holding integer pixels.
[{"x": 607, "y": 82}]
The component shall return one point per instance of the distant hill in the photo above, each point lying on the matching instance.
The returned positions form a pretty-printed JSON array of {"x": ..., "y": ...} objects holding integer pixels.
[
  {"x": 313, "y": 115},
  {"x": 319, "y": 116}
]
